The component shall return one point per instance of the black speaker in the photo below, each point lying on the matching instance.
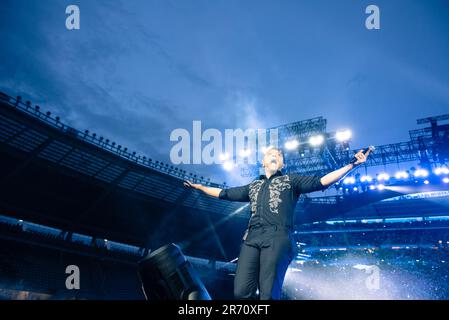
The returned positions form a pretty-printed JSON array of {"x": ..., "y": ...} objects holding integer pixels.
[{"x": 166, "y": 274}]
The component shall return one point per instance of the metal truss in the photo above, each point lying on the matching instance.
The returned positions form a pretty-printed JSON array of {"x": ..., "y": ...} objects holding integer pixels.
[{"x": 427, "y": 146}]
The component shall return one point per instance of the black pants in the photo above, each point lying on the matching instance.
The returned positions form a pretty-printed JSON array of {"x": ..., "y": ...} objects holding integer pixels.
[{"x": 263, "y": 261}]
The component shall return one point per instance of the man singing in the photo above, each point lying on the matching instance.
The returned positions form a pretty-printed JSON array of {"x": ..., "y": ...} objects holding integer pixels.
[{"x": 268, "y": 247}]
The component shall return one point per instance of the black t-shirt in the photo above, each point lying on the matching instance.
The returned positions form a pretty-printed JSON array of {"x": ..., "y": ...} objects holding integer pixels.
[{"x": 273, "y": 200}]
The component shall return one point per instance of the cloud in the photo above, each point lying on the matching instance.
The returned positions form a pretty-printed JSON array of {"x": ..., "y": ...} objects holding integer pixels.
[{"x": 136, "y": 71}]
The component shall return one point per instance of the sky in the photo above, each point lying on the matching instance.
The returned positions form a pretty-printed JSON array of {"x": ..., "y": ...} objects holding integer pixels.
[{"x": 138, "y": 69}]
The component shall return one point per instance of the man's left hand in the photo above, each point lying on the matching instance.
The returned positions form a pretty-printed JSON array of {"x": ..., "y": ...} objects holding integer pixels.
[{"x": 361, "y": 157}]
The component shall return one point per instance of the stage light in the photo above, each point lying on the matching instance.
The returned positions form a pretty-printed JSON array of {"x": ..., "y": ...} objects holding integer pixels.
[
  {"x": 228, "y": 165},
  {"x": 166, "y": 274},
  {"x": 401, "y": 175},
  {"x": 380, "y": 187},
  {"x": 355, "y": 189},
  {"x": 372, "y": 187},
  {"x": 426, "y": 181},
  {"x": 349, "y": 180},
  {"x": 383, "y": 177},
  {"x": 421, "y": 173},
  {"x": 265, "y": 149},
  {"x": 245, "y": 153},
  {"x": 224, "y": 156},
  {"x": 441, "y": 170},
  {"x": 291, "y": 145},
  {"x": 446, "y": 180},
  {"x": 343, "y": 135},
  {"x": 315, "y": 141},
  {"x": 366, "y": 179}
]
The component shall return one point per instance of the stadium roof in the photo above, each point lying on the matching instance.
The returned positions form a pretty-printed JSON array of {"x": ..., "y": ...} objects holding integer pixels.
[{"x": 53, "y": 174}]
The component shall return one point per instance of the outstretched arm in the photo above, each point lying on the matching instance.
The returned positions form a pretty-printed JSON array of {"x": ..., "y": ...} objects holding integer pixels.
[
  {"x": 336, "y": 175},
  {"x": 232, "y": 194},
  {"x": 214, "y": 192}
]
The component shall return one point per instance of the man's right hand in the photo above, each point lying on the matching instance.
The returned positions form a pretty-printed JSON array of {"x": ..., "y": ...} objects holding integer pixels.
[
  {"x": 214, "y": 192},
  {"x": 189, "y": 184}
]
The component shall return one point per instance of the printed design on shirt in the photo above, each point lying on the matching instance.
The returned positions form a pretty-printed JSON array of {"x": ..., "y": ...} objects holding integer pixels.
[
  {"x": 254, "y": 188},
  {"x": 277, "y": 185}
]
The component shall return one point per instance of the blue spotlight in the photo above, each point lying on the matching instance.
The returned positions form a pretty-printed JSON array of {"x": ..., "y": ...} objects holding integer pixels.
[
  {"x": 421, "y": 173},
  {"x": 343, "y": 135},
  {"x": 315, "y": 141},
  {"x": 349, "y": 180},
  {"x": 441, "y": 170},
  {"x": 291, "y": 145},
  {"x": 224, "y": 156},
  {"x": 228, "y": 165},
  {"x": 366, "y": 179},
  {"x": 401, "y": 175}
]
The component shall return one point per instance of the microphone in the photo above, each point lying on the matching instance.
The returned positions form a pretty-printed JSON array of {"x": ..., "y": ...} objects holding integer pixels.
[{"x": 365, "y": 150}]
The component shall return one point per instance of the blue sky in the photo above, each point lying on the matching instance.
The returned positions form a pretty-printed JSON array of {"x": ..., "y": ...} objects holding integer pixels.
[{"x": 138, "y": 69}]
